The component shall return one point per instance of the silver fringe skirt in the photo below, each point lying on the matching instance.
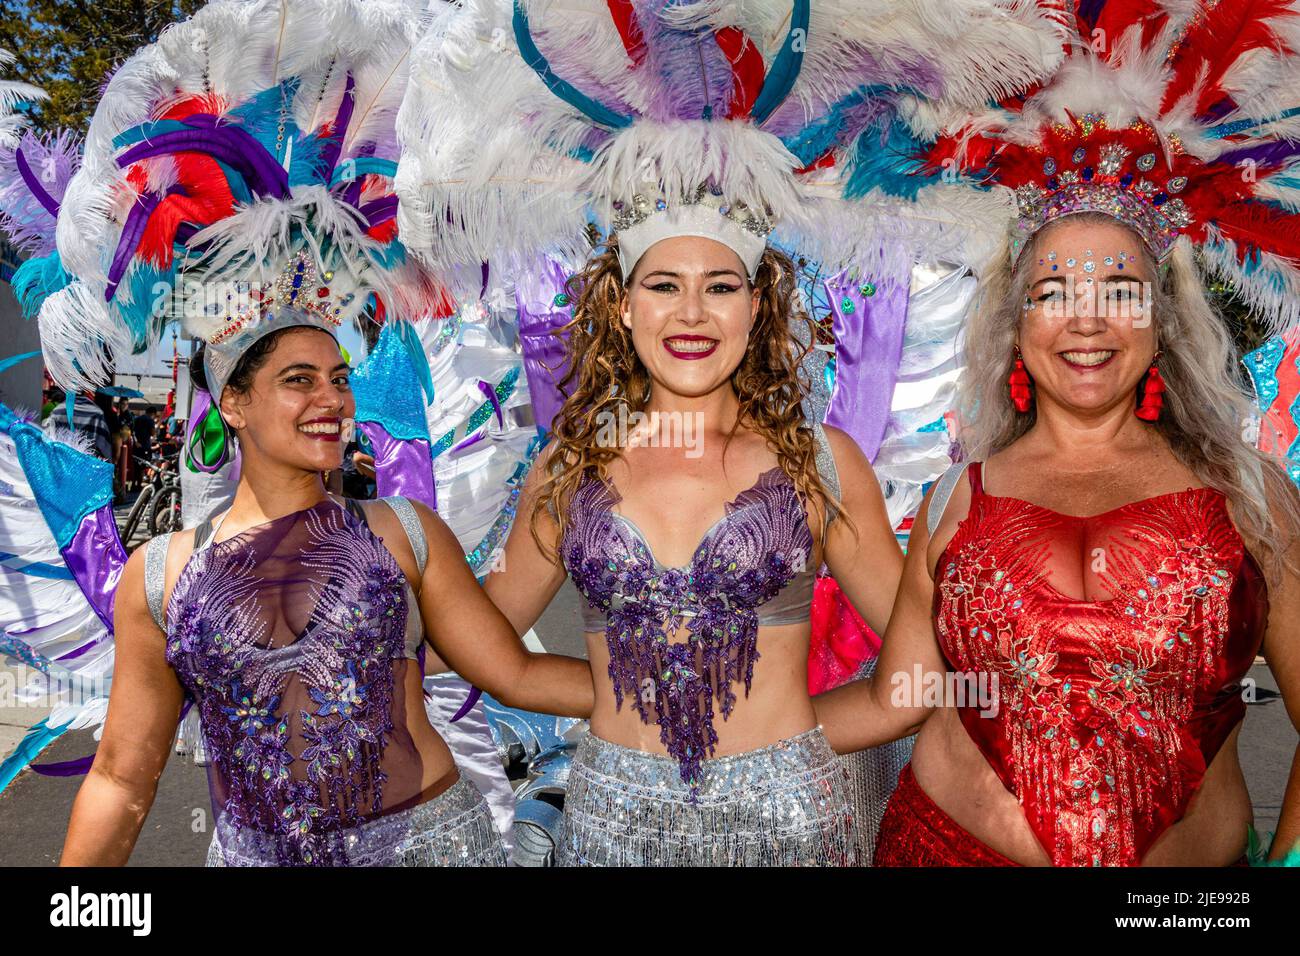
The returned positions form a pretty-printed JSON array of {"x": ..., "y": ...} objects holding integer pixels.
[
  {"x": 453, "y": 829},
  {"x": 785, "y": 804}
]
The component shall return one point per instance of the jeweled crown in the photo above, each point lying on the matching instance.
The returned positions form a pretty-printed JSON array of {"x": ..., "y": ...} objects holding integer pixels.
[
  {"x": 1088, "y": 167},
  {"x": 649, "y": 200},
  {"x": 299, "y": 286}
]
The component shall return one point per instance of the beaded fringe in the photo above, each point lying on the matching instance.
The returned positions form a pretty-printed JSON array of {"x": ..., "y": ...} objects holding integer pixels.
[
  {"x": 453, "y": 829},
  {"x": 873, "y": 775},
  {"x": 782, "y": 805}
]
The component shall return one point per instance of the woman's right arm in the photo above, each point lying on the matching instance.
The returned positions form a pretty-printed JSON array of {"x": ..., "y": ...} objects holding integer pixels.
[
  {"x": 143, "y": 709},
  {"x": 891, "y": 703},
  {"x": 524, "y": 579}
]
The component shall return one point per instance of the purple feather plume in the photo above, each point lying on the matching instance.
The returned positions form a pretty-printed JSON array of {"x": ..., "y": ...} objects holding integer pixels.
[
  {"x": 692, "y": 75},
  {"x": 32, "y": 177}
]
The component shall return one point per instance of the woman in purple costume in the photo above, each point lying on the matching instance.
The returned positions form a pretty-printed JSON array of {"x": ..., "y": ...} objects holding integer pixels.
[{"x": 294, "y": 622}]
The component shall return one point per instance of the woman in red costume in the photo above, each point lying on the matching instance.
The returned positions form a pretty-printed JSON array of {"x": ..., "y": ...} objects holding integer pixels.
[{"x": 1083, "y": 599}]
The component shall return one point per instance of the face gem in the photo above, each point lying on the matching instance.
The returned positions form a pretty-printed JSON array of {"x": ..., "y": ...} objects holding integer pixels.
[
  {"x": 1051, "y": 256},
  {"x": 1109, "y": 260},
  {"x": 1090, "y": 266},
  {"x": 1071, "y": 262}
]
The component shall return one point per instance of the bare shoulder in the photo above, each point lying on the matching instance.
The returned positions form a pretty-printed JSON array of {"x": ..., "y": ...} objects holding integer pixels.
[
  {"x": 544, "y": 464},
  {"x": 850, "y": 462}
]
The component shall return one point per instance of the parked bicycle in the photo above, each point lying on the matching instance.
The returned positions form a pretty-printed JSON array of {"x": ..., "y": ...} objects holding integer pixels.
[{"x": 157, "y": 509}]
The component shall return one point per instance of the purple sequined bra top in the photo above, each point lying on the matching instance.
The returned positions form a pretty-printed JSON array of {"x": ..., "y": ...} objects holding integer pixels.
[
  {"x": 760, "y": 548},
  {"x": 291, "y": 638}
]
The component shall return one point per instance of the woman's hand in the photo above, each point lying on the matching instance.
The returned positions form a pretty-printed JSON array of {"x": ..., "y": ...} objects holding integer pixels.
[{"x": 143, "y": 709}]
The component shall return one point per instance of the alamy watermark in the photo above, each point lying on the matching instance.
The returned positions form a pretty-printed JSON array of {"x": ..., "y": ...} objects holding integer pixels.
[{"x": 655, "y": 429}]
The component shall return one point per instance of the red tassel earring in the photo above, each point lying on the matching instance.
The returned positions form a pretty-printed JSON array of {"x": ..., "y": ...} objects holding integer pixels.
[
  {"x": 1153, "y": 398},
  {"x": 1019, "y": 381}
]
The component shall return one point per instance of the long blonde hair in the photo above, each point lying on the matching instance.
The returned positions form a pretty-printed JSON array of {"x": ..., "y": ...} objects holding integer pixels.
[
  {"x": 603, "y": 373},
  {"x": 1207, "y": 408}
]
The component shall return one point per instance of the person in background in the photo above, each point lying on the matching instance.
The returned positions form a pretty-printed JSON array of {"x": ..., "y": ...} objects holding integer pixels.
[
  {"x": 89, "y": 419},
  {"x": 143, "y": 427}
]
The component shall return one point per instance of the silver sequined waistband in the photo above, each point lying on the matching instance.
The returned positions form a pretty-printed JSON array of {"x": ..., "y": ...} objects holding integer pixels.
[
  {"x": 453, "y": 829},
  {"x": 659, "y": 776},
  {"x": 781, "y": 805}
]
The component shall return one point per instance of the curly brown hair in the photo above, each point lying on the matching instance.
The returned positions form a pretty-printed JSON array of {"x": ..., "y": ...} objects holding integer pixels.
[{"x": 602, "y": 372}]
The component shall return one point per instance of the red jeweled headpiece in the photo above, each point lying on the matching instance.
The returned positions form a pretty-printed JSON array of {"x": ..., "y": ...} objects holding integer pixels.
[{"x": 1176, "y": 119}]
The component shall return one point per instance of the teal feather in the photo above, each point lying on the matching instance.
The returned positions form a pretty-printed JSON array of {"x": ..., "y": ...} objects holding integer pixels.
[
  {"x": 268, "y": 118},
  {"x": 29, "y": 748},
  {"x": 143, "y": 316},
  {"x": 889, "y": 162},
  {"x": 36, "y": 280}
]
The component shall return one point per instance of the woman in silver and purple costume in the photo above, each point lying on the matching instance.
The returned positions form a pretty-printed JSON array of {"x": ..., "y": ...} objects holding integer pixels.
[
  {"x": 684, "y": 492},
  {"x": 295, "y": 624},
  {"x": 683, "y": 605}
]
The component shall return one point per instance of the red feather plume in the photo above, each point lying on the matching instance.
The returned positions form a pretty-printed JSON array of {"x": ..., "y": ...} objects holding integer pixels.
[
  {"x": 1215, "y": 39},
  {"x": 746, "y": 69}
]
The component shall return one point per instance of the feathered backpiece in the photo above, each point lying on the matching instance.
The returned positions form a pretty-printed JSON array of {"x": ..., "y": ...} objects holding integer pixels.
[
  {"x": 34, "y": 169},
  {"x": 1180, "y": 118},
  {"x": 34, "y": 172},
  {"x": 526, "y": 119},
  {"x": 237, "y": 176}
]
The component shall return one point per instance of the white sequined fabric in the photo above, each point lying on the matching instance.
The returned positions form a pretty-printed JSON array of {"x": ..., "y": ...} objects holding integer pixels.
[
  {"x": 786, "y": 804},
  {"x": 453, "y": 829}
]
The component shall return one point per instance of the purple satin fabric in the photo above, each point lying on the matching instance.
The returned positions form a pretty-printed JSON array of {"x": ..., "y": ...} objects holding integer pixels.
[
  {"x": 48, "y": 202},
  {"x": 868, "y": 347},
  {"x": 402, "y": 466},
  {"x": 95, "y": 557},
  {"x": 540, "y": 320},
  {"x": 65, "y": 768}
]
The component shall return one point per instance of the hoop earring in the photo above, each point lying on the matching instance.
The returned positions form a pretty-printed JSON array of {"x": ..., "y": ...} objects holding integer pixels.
[{"x": 1021, "y": 396}]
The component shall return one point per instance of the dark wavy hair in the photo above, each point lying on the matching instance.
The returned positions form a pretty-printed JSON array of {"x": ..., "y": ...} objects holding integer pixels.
[{"x": 241, "y": 377}]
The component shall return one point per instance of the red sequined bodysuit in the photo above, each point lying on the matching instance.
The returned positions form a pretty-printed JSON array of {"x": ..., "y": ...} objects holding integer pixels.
[{"x": 1118, "y": 641}]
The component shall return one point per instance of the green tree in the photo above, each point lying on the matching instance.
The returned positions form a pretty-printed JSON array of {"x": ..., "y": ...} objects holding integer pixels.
[{"x": 71, "y": 47}]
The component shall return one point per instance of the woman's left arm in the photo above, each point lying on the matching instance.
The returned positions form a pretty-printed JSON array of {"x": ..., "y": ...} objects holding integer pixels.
[
  {"x": 1282, "y": 651},
  {"x": 866, "y": 561},
  {"x": 479, "y": 643}
]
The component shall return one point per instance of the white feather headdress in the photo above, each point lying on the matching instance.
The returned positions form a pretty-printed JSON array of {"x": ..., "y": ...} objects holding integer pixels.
[
  {"x": 525, "y": 119},
  {"x": 239, "y": 167}
]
